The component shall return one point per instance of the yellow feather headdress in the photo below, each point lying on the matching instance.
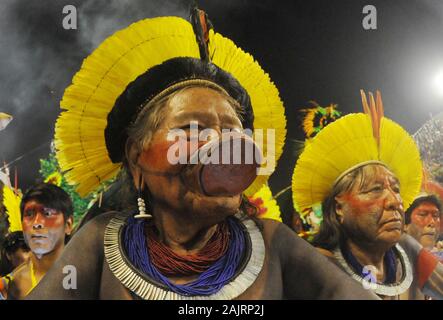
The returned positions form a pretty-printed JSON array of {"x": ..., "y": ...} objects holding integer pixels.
[
  {"x": 352, "y": 141},
  {"x": 120, "y": 59},
  {"x": 11, "y": 201}
]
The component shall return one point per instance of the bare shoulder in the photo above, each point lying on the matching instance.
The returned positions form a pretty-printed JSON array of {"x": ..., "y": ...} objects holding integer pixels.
[
  {"x": 93, "y": 231},
  {"x": 98, "y": 223},
  {"x": 278, "y": 235},
  {"x": 21, "y": 282},
  {"x": 21, "y": 272},
  {"x": 269, "y": 226}
]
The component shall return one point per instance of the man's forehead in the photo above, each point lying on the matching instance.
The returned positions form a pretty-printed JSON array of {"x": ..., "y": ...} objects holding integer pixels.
[
  {"x": 33, "y": 203},
  {"x": 427, "y": 206},
  {"x": 188, "y": 110},
  {"x": 379, "y": 173}
]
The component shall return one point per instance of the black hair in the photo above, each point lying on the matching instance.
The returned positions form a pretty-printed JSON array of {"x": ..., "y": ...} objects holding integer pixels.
[
  {"x": 51, "y": 196},
  {"x": 430, "y": 198},
  {"x": 155, "y": 80},
  {"x": 14, "y": 241}
]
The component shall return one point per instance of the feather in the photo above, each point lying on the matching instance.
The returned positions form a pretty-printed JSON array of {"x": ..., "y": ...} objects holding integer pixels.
[
  {"x": 364, "y": 102},
  {"x": 266, "y": 204},
  {"x": 11, "y": 201},
  {"x": 201, "y": 26},
  {"x": 5, "y": 119}
]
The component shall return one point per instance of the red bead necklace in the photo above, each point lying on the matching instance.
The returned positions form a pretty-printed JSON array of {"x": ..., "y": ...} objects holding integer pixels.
[{"x": 170, "y": 263}]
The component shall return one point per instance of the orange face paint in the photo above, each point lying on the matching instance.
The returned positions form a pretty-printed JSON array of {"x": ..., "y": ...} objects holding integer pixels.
[
  {"x": 372, "y": 209},
  {"x": 43, "y": 227},
  {"x": 426, "y": 214},
  {"x": 155, "y": 158}
]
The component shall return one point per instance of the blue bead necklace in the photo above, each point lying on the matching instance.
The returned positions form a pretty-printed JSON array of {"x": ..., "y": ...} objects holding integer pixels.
[{"x": 208, "y": 282}]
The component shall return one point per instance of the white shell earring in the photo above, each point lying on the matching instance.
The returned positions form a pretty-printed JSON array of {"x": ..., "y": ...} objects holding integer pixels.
[
  {"x": 141, "y": 205},
  {"x": 142, "y": 209}
]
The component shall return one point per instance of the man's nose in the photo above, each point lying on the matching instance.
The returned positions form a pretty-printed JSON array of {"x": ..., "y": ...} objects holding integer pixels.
[
  {"x": 38, "y": 221},
  {"x": 393, "y": 200},
  {"x": 431, "y": 222}
]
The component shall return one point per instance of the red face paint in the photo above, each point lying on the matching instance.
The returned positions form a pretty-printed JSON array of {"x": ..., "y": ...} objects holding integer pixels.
[
  {"x": 426, "y": 215},
  {"x": 36, "y": 213},
  {"x": 381, "y": 190},
  {"x": 155, "y": 158},
  {"x": 43, "y": 227},
  {"x": 373, "y": 209}
]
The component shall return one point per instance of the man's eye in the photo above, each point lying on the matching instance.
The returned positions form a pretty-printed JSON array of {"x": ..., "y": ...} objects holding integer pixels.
[
  {"x": 376, "y": 189},
  {"x": 49, "y": 212},
  {"x": 29, "y": 213}
]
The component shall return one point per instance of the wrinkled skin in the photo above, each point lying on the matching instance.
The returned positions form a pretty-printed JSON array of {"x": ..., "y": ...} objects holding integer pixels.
[
  {"x": 425, "y": 224},
  {"x": 371, "y": 216},
  {"x": 372, "y": 213},
  {"x": 185, "y": 218}
]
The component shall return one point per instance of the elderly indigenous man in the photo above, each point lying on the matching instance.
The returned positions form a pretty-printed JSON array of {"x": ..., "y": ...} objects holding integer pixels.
[
  {"x": 364, "y": 169},
  {"x": 47, "y": 217},
  {"x": 190, "y": 237},
  {"x": 422, "y": 221}
]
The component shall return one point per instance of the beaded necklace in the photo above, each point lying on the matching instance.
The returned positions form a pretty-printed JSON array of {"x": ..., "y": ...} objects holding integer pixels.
[
  {"x": 170, "y": 263},
  {"x": 208, "y": 282}
]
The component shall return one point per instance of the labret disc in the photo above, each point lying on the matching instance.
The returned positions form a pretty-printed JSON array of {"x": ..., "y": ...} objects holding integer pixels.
[{"x": 226, "y": 166}]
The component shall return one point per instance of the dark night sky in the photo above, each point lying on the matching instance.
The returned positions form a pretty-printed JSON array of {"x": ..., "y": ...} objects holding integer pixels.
[{"x": 313, "y": 50}]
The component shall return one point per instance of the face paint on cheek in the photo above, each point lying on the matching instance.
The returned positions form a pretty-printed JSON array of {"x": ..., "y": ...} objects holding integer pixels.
[
  {"x": 53, "y": 232},
  {"x": 360, "y": 205},
  {"x": 167, "y": 156},
  {"x": 56, "y": 221},
  {"x": 419, "y": 221},
  {"x": 27, "y": 224},
  {"x": 156, "y": 157}
]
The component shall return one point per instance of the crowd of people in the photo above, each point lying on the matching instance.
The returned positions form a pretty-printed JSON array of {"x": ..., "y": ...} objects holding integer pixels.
[{"x": 192, "y": 229}]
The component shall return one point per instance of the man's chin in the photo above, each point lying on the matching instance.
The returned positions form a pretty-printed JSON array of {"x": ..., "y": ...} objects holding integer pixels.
[
  {"x": 40, "y": 252},
  {"x": 428, "y": 241},
  {"x": 390, "y": 237},
  {"x": 220, "y": 206}
]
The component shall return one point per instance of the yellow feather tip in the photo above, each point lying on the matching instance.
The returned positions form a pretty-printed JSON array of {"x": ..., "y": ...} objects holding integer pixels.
[{"x": 11, "y": 201}]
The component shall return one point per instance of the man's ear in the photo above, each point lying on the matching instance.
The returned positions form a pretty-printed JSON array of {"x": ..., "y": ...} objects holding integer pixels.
[
  {"x": 69, "y": 225},
  {"x": 339, "y": 208},
  {"x": 132, "y": 155}
]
